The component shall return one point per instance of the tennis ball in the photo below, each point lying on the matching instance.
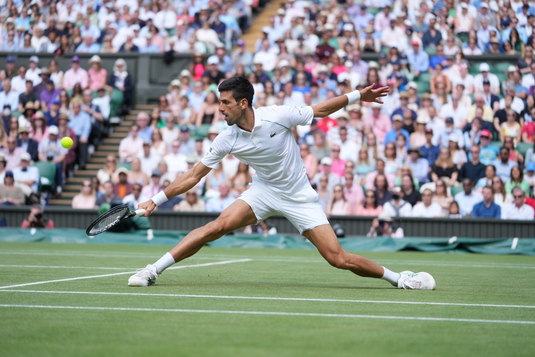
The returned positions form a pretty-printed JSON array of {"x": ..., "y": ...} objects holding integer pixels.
[{"x": 66, "y": 142}]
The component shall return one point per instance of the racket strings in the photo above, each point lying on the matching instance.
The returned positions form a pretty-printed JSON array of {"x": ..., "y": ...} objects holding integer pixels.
[{"x": 109, "y": 220}]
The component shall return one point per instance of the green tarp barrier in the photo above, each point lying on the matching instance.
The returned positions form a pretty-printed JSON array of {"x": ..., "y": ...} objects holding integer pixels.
[{"x": 524, "y": 246}]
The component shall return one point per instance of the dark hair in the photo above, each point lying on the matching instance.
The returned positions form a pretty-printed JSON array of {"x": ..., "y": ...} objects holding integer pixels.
[{"x": 241, "y": 89}]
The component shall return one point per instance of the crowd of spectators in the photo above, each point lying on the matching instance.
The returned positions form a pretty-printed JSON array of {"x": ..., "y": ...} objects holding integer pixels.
[
  {"x": 454, "y": 138},
  {"x": 41, "y": 104}
]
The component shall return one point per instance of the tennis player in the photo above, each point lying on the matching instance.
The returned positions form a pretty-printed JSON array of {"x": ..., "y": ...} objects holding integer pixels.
[{"x": 263, "y": 138}]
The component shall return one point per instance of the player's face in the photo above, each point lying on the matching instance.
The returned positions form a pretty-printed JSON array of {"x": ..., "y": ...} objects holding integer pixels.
[{"x": 231, "y": 110}]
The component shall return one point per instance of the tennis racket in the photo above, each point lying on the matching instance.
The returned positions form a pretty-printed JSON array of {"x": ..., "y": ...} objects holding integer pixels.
[{"x": 111, "y": 218}]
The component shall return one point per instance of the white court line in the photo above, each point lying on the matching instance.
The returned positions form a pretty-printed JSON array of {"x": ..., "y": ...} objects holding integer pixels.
[
  {"x": 61, "y": 267},
  {"x": 282, "y": 260},
  {"x": 268, "y": 298},
  {"x": 122, "y": 273},
  {"x": 271, "y": 313}
]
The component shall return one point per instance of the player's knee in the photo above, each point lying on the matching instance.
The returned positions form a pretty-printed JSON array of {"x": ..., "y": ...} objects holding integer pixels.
[
  {"x": 337, "y": 260},
  {"x": 214, "y": 230}
]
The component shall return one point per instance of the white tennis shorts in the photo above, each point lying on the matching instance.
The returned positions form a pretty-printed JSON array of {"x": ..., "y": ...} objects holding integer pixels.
[{"x": 303, "y": 211}]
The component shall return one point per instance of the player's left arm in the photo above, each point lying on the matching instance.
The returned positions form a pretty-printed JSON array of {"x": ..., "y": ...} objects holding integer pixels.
[{"x": 332, "y": 105}]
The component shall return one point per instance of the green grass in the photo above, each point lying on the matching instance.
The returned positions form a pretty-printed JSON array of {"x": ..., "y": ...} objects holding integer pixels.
[{"x": 204, "y": 330}]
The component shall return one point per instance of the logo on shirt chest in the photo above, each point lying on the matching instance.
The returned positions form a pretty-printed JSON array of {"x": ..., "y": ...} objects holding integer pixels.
[{"x": 272, "y": 134}]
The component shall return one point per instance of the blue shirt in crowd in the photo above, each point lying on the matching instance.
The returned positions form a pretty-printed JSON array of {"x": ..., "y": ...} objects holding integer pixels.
[{"x": 482, "y": 211}]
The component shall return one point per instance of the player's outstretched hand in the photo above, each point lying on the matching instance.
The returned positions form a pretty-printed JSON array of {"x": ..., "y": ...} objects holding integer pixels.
[
  {"x": 369, "y": 94},
  {"x": 149, "y": 206}
]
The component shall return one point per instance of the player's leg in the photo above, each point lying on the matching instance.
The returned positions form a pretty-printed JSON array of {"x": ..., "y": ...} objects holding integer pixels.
[
  {"x": 237, "y": 215},
  {"x": 325, "y": 240}
]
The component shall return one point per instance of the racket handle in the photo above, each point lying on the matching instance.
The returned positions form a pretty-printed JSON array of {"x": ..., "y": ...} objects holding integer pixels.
[{"x": 139, "y": 212}]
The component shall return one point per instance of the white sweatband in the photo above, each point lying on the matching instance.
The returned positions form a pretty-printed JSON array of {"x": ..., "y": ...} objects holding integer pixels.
[
  {"x": 159, "y": 198},
  {"x": 353, "y": 97}
]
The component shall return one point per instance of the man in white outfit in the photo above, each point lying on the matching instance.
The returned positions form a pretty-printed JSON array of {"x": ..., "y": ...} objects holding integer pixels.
[{"x": 263, "y": 138}]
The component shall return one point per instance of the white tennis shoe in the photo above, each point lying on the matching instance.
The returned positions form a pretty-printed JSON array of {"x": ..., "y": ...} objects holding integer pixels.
[
  {"x": 416, "y": 281},
  {"x": 144, "y": 277}
]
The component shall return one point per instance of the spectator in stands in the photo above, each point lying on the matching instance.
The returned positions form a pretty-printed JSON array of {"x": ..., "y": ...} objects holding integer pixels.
[
  {"x": 28, "y": 144},
  {"x": 418, "y": 59},
  {"x": 379, "y": 122},
  {"x": 80, "y": 123},
  {"x": 429, "y": 151},
  {"x": 397, "y": 128},
  {"x": 396, "y": 206},
  {"x": 488, "y": 152},
  {"x": 473, "y": 169},
  {"x": 487, "y": 208},
  {"x": 352, "y": 190},
  {"x": 149, "y": 158},
  {"x": 3, "y": 163},
  {"x": 221, "y": 202},
  {"x": 48, "y": 95},
  {"x": 121, "y": 85},
  {"x": 109, "y": 171},
  {"x": 154, "y": 185},
  {"x": 370, "y": 206},
  {"x": 122, "y": 188},
  {"x": 453, "y": 211},
  {"x": 418, "y": 165},
  {"x": 504, "y": 164},
  {"x": 518, "y": 209},
  {"x": 135, "y": 197},
  {"x": 468, "y": 197},
  {"x": 382, "y": 226},
  {"x": 8, "y": 96},
  {"x": 26, "y": 175},
  {"x": 86, "y": 198},
  {"x": 487, "y": 180},
  {"x": 510, "y": 128},
  {"x": 242, "y": 179},
  {"x": 36, "y": 219},
  {"x": 97, "y": 75},
  {"x": 187, "y": 143},
  {"x": 325, "y": 170},
  {"x": 175, "y": 161},
  {"x": 310, "y": 161},
  {"x": 427, "y": 208},
  {"x": 130, "y": 146},
  {"x": 10, "y": 194},
  {"x": 364, "y": 164},
  {"x": 136, "y": 174},
  {"x": 12, "y": 153},
  {"x": 410, "y": 194},
  {"x": 381, "y": 189},
  {"x": 192, "y": 203},
  {"x": 18, "y": 82},
  {"x": 338, "y": 204},
  {"x": 74, "y": 75},
  {"x": 517, "y": 180},
  {"x": 337, "y": 163},
  {"x": 109, "y": 196},
  {"x": 50, "y": 149},
  {"x": 28, "y": 96},
  {"x": 450, "y": 131},
  {"x": 444, "y": 168},
  {"x": 484, "y": 73}
]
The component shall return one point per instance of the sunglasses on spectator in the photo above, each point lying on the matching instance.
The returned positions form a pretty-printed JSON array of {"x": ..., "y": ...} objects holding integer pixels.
[{"x": 518, "y": 196}]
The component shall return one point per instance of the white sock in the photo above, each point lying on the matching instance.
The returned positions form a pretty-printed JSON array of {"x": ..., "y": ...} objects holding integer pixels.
[
  {"x": 164, "y": 262},
  {"x": 390, "y": 276}
]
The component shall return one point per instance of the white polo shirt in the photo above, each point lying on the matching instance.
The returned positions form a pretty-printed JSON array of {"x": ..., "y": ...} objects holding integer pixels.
[{"x": 270, "y": 149}]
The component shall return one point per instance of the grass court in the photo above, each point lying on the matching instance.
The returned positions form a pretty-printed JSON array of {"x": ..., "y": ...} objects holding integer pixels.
[{"x": 72, "y": 300}]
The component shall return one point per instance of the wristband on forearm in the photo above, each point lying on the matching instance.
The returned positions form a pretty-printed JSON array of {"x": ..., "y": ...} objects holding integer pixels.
[
  {"x": 159, "y": 198},
  {"x": 353, "y": 97}
]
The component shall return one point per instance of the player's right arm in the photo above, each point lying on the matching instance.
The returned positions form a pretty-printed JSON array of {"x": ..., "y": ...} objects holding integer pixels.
[
  {"x": 180, "y": 185},
  {"x": 220, "y": 147}
]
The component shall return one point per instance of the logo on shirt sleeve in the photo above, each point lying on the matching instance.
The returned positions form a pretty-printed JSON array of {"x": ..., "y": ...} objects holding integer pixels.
[{"x": 272, "y": 134}]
